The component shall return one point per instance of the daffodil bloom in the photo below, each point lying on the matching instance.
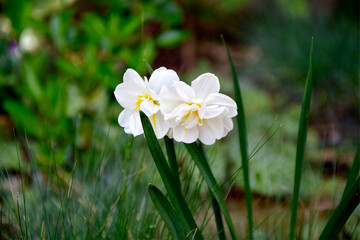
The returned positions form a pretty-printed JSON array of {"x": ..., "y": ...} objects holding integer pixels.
[
  {"x": 198, "y": 111},
  {"x": 136, "y": 94}
]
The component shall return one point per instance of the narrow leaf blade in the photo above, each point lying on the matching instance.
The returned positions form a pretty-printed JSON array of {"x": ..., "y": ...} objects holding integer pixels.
[
  {"x": 242, "y": 139},
  {"x": 215, "y": 205},
  {"x": 301, "y": 143},
  {"x": 354, "y": 172},
  {"x": 170, "y": 150},
  {"x": 343, "y": 211},
  {"x": 171, "y": 185},
  {"x": 204, "y": 168},
  {"x": 167, "y": 212}
]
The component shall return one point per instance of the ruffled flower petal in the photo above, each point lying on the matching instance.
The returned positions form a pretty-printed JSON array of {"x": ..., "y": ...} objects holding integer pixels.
[
  {"x": 136, "y": 94},
  {"x": 228, "y": 126},
  {"x": 149, "y": 107},
  {"x": 162, "y": 77},
  {"x": 175, "y": 95},
  {"x": 127, "y": 94},
  {"x": 130, "y": 121},
  {"x": 160, "y": 127},
  {"x": 210, "y": 130},
  {"x": 131, "y": 75},
  {"x": 174, "y": 108},
  {"x": 182, "y": 134},
  {"x": 219, "y": 99},
  {"x": 215, "y": 112},
  {"x": 205, "y": 84}
]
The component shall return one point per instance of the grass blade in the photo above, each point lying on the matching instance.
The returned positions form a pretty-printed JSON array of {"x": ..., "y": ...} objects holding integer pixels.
[
  {"x": 354, "y": 172},
  {"x": 301, "y": 142},
  {"x": 200, "y": 160},
  {"x": 242, "y": 138},
  {"x": 171, "y": 185},
  {"x": 167, "y": 212},
  {"x": 343, "y": 211},
  {"x": 22, "y": 187}
]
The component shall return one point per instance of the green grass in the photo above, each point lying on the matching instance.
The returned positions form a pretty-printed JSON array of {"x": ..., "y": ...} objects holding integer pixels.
[{"x": 119, "y": 209}]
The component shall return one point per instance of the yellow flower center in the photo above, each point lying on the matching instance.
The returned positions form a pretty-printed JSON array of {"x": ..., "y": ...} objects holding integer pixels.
[
  {"x": 141, "y": 98},
  {"x": 195, "y": 111}
]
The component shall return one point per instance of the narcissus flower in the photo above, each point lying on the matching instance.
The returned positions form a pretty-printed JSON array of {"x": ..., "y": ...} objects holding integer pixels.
[
  {"x": 136, "y": 94},
  {"x": 199, "y": 111}
]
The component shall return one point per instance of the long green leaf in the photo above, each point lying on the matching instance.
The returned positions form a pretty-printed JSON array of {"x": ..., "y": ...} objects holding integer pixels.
[
  {"x": 343, "y": 211},
  {"x": 242, "y": 139},
  {"x": 167, "y": 212},
  {"x": 171, "y": 185},
  {"x": 301, "y": 143},
  {"x": 200, "y": 160},
  {"x": 170, "y": 150},
  {"x": 215, "y": 205},
  {"x": 354, "y": 172}
]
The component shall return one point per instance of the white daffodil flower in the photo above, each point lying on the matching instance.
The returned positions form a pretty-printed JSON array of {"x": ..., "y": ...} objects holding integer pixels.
[
  {"x": 136, "y": 94},
  {"x": 199, "y": 111}
]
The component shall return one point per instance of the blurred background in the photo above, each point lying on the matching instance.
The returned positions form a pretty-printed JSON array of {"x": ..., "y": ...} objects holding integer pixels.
[{"x": 61, "y": 145}]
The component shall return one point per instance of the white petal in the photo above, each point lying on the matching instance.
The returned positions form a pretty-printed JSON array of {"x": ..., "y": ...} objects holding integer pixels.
[
  {"x": 167, "y": 103},
  {"x": 132, "y": 76},
  {"x": 148, "y": 107},
  {"x": 177, "y": 112},
  {"x": 210, "y": 130},
  {"x": 162, "y": 77},
  {"x": 124, "y": 117},
  {"x": 180, "y": 91},
  {"x": 228, "y": 125},
  {"x": 192, "y": 121},
  {"x": 176, "y": 94},
  {"x": 202, "y": 110},
  {"x": 131, "y": 122},
  {"x": 215, "y": 112},
  {"x": 205, "y": 84},
  {"x": 182, "y": 134},
  {"x": 127, "y": 94},
  {"x": 222, "y": 100},
  {"x": 159, "y": 125}
]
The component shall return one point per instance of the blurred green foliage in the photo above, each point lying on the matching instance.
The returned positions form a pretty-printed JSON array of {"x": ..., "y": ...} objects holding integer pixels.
[
  {"x": 282, "y": 32},
  {"x": 61, "y": 60}
]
